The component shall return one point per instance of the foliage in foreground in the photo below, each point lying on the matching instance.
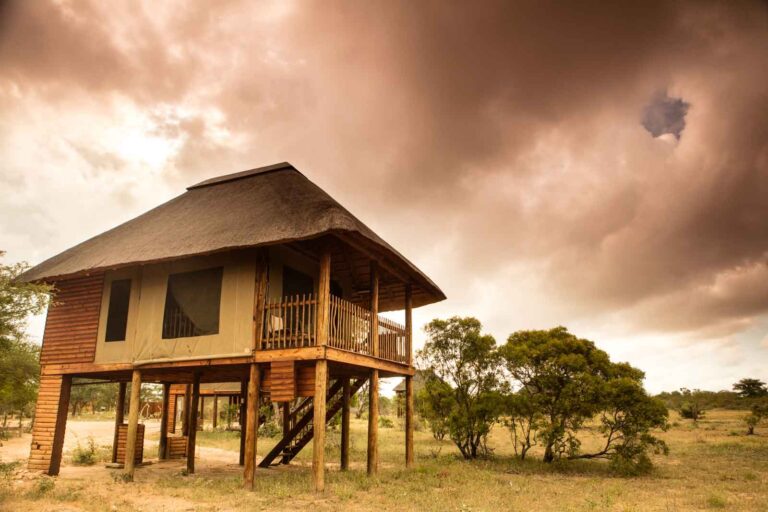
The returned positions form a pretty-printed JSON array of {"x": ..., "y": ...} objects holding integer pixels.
[
  {"x": 560, "y": 383},
  {"x": 19, "y": 367}
]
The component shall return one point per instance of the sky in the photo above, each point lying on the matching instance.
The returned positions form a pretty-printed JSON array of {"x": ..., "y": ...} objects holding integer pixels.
[{"x": 597, "y": 165}]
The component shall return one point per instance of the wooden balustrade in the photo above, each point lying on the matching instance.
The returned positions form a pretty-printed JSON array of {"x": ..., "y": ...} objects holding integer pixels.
[{"x": 291, "y": 323}]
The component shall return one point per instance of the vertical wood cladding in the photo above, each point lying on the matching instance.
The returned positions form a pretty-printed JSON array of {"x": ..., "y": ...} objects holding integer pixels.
[
  {"x": 50, "y": 422},
  {"x": 72, "y": 325}
]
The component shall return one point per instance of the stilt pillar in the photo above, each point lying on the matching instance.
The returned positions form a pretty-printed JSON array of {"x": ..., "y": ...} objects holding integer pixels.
[
  {"x": 192, "y": 434},
  {"x": 409, "y": 379},
  {"x": 408, "y": 421},
  {"x": 252, "y": 426},
  {"x": 242, "y": 419},
  {"x": 345, "y": 399},
  {"x": 162, "y": 447},
  {"x": 133, "y": 425},
  {"x": 215, "y": 411},
  {"x": 373, "y": 386},
  {"x": 119, "y": 416},
  {"x": 318, "y": 440}
]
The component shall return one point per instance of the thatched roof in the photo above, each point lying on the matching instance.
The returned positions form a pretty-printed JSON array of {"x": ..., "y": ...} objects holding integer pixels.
[{"x": 265, "y": 206}]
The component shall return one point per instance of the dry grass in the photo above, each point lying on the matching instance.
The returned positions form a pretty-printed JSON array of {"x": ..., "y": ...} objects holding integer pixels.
[{"x": 712, "y": 466}]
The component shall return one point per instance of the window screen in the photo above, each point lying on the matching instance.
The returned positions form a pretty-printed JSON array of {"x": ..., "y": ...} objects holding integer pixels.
[
  {"x": 296, "y": 283},
  {"x": 117, "y": 314},
  {"x": 192, "y": 304}
]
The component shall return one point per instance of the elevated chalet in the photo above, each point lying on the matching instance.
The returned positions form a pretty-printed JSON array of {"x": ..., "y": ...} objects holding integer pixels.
[{"x": 257, "y": 278}]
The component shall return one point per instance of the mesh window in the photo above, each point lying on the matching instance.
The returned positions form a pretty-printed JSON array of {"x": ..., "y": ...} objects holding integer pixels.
[
  {"x": 192, "y": 304},
  {"x": 117, "y": 315}
]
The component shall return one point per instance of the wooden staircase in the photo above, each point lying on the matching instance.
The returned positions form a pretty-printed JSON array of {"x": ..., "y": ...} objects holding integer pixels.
[{"x": 301, "y": 423}]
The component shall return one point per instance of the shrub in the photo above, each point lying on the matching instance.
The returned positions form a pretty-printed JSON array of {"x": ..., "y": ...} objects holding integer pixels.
[
  {"x": 85, "y": 455},
  {"x": 42, "y": 487},
  {"x": 385, "y": 422},
  {"x": 270, "y": 429}
]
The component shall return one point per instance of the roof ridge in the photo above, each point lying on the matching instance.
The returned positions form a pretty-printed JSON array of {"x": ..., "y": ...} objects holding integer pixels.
[{"x": 224, "y": 178}]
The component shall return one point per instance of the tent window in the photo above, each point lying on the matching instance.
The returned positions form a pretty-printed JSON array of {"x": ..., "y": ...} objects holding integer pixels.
[
  {"x": 296, "y": 283},
  {"x": 117, "y": 314},
  {"x": 192, "y": 304}
]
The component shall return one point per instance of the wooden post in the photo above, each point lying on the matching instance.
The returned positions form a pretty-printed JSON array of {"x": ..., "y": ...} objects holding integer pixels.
[
  {"x": 374, "y": 309},
  {"x": 345, "y": 399},
  {"x": 61, "y": 425},
  {"x": 409, "y": 379},
  {"x": 318, "y": 439},
  {"x": 243, "y": 418},
  {"x": 286, "y": 418},
  {"x": 119, "y": 416},
  {"x": 259, "y": 298},
  {"x": 202, "y": 412},
  {"x": 373, "y": 386},
  {"x": 185, "y": 414},
  {"x": 162, "y": 447},
  {"x": 192, "y": 434},
  {"x": 323, "y": 297},
  {"x": 408, "y": 421},
  {"x": 252, "y": 426},
  {"x": 215, "y": 411},
  {"x": 133, "y": 425},
  {"x": 373, "y": 423}
]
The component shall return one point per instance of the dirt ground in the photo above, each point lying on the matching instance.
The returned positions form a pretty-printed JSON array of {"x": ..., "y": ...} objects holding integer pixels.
[{"x": 712, "y": 465}]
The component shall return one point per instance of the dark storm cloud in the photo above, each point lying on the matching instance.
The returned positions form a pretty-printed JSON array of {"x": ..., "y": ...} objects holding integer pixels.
[
  {"x": 665, "y": 115},
  {"x": 509, "y": 128}
]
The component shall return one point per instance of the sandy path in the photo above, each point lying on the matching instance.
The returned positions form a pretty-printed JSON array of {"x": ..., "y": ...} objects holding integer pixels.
[{"x": 102, "y": 432}]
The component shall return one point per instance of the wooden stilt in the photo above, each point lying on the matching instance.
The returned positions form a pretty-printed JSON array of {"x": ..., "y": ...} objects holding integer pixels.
[
  {"x": 318, "y": 439},
  {"x": 192, "y": 435},
  {"x": 373, "y": 423},
  {"x": 162, "y": 446},
  {"x": 243, "y": 418},
  {"x": 286, "y": 408},
  {"x": 133, "y": 425},
  {"x": 215, "y": 411},
  {"x": 252, "y": 426},
  {"x": 345, "y": 399},
  {"x": 408, "y": 421},
  {"x": 373, "y": 385},
  {"x": 119, "y": 416},
  {"x": 202, "y": 413},
  {"x": 186, "y": 415},
  {"x": 61, "y": 425},
  {"x": 409, "y": 379}
]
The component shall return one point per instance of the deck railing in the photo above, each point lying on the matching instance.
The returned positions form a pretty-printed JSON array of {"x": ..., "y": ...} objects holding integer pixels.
[{"x": 291, "y": 322}]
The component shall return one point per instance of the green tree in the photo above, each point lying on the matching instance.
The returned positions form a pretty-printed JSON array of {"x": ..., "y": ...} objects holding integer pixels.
[
  {"x": 523, "y": 419},
  {"x": 458, "y": 355},
  {"x": 434, "y": 402},
  {"x": 564, "y": 381},
  {"x": 692, "y": 407},
  {"x": 755, "y": 417},
  {"x": 19, "y": 369},
  {"x": 750, "y": 388}
]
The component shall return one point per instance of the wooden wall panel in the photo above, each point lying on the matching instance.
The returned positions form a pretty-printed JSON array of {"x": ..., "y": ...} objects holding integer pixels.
[
  {"x": 177, "y": 447},
  {"x": 50, "y": 423},
  {"x": 72, "y": 325},
  {"x": 305, "y": 382},
  {"x": 282, "y": 377},
  {"x": 122, "y": 434}
]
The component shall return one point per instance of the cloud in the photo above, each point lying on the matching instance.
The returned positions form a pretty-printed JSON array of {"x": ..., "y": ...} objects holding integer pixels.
[{"x": 501, "y": 145}]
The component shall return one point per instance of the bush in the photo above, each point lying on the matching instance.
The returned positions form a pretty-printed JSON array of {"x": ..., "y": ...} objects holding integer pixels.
[
  {"x": 385, "y": 422},
  {"x": 42, "y": 487},
  {"x": 85, "y": 455},
  {"x": 270, "y": 429}
]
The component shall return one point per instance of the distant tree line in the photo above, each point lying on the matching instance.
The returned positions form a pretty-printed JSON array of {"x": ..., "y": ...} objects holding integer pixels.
[{"x": 546, "y": 386}]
